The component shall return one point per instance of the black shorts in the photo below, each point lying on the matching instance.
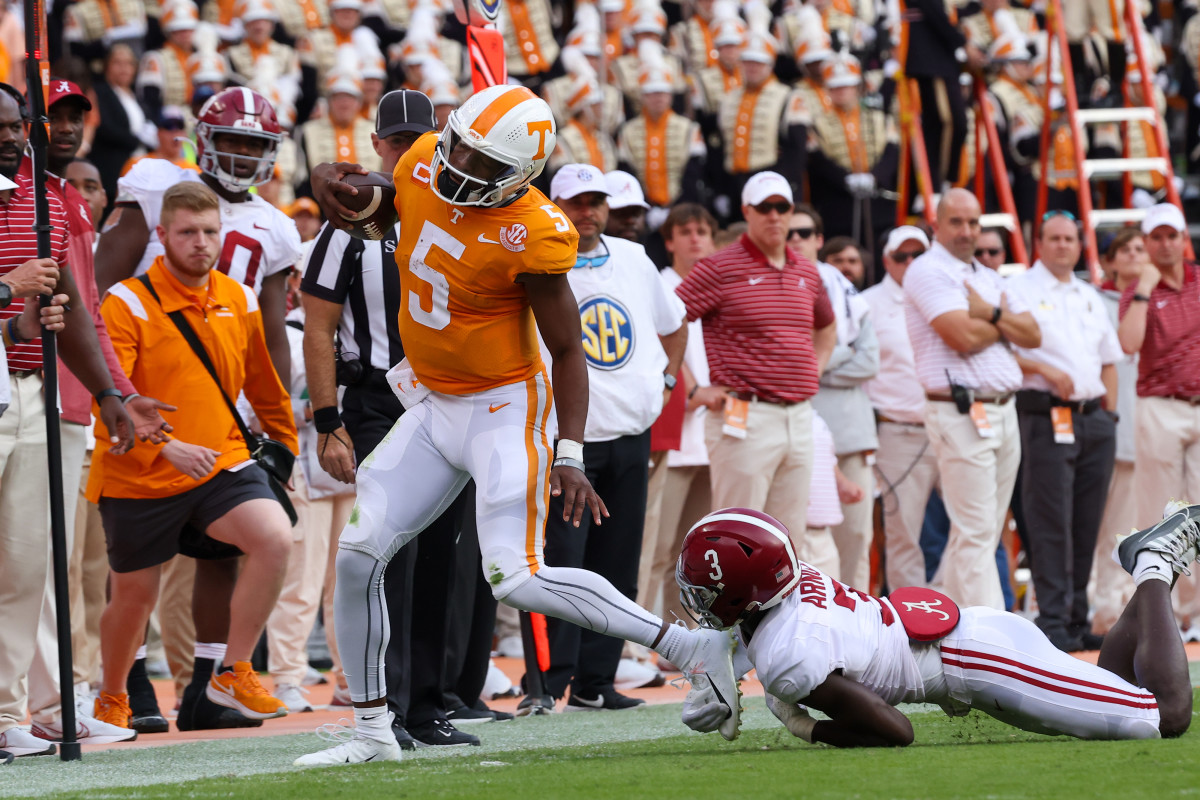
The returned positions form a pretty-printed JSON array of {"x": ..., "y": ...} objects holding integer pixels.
[{"x": 143, "y": 533}]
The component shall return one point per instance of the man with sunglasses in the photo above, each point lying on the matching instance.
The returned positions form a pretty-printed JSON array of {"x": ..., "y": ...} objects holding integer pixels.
[
  {"x": 634, "y": 338},
  {"x": 960, "y": 323},
  {"x": 806, "y": 231},
  {"x": 989, "y": 249},
  {"x": 769, "y": 331},
  {"x": 1067, "y": 413}
]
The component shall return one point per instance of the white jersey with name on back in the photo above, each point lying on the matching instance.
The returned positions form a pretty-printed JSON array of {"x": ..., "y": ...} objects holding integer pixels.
[
  {"x": 257, "y": 239},
  {"x": 824, "y": 626}
]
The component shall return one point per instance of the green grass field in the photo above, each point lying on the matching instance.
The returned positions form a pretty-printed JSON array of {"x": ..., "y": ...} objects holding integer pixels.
[{"x": 644, "y": 753}]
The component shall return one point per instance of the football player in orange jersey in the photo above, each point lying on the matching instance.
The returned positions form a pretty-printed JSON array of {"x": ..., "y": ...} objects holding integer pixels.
[{"x": 483, "y": 256}]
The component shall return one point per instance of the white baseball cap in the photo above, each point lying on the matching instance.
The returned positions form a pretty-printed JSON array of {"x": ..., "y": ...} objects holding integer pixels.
[
  {"x": 575, "y": 179},
  {"x": 1164, "y": 214},
  {"x": 624, "y": 190},
  {"x": 764, "y": 185},
  {"x": 902, "y": 234}
]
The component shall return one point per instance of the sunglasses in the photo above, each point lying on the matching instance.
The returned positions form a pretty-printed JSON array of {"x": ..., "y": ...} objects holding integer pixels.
[
  {"x": 988, "y": 251},
  {"x": 803, "y": 233},
  {"x": 904, "y": 258},
  {"x": 783, "y": 207},
  {"x": 1058, "y": 212},
  {"x": 587, "y": 262}
]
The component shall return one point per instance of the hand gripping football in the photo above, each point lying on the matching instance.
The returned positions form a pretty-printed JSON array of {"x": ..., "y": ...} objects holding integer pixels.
[{"x": 374, "y": 206}]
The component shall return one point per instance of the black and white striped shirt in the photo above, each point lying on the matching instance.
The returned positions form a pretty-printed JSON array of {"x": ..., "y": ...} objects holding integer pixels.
[{"x": 362, "y": 277}]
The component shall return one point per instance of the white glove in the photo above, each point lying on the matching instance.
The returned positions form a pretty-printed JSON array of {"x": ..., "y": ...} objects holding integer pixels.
[
  {"x": 860, "y": 184},
  {"x": 655, "y": 217},
  {"x": 721, "y": 205},
  {"x": 794, "y": 717},
  {"x": 702, "y": 711}
]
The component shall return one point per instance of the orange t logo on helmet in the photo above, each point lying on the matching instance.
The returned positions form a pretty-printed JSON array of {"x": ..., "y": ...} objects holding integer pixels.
[{"x": 541, "y": 128}]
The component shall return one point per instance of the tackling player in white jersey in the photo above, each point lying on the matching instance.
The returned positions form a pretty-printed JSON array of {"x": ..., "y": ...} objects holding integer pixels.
[
  {"x": 817, "y": 642},
  {"x": 237, "y": 139}
]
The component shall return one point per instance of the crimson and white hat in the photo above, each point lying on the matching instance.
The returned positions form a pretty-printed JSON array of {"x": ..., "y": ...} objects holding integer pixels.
[
  {"x": 624, "y": 190},
  {"x": 575, "y": 179},
  {"x": 1163, "y": 214},
  {"x": 902, "y": 234},
  {"x": 765, "y": 185}
]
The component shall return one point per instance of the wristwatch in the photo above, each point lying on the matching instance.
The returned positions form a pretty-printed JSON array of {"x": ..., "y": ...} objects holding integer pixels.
[
  {"x": 669, "y": 380},
  {"x": 5, "y": 295},
  {"x": 1141, "y": 298}
]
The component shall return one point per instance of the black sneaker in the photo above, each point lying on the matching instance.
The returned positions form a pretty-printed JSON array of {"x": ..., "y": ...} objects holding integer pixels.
[
  {"x": 6, "y": 758},
  {"x": 198, "y": 713},
  {"x": 469, "y": 716},
  {"x": 499, "y": 716},
  {"x": 535, "y": 705},
  {"x": 439, "y": 732},
  {"x": 609, "y": 700},
  {"x": 404, "y": 738},
  {"x": 147, "y": 718}
]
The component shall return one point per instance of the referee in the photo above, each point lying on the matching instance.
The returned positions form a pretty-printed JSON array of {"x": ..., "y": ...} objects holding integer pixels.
[{"x": 351, "y": 288}]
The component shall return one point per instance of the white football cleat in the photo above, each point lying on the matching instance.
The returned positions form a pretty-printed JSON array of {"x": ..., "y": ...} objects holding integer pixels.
[
  {"x": 712, "y": 663},
  {"x": 352, "y": 748}
]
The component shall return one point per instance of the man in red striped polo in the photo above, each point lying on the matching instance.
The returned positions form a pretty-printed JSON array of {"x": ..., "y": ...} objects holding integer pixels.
[
  {"x": 769, "y": 331},
  {"x": 1160, "y": 320}
]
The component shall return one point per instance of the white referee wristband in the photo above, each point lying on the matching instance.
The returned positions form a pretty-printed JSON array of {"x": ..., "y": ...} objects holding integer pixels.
[{"x": 569, "y": 449}]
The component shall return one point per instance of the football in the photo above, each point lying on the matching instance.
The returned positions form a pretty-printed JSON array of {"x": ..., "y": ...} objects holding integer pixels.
[{"x": 374, "y": 205}]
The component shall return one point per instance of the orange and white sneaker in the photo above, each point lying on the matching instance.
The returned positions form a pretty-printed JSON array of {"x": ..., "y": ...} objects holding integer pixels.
[
  {"x": 240, "y": 690},
  {"x": 113, "y": 709}
]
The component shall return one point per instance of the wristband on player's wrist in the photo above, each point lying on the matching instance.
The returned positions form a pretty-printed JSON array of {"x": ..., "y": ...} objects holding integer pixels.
[
  {"x": 327, "y": 419},
  {"x": 568, "y": 462}
]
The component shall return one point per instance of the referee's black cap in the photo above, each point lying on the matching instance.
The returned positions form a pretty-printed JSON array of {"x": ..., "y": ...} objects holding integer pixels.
[{"x": 404, "y": 110}]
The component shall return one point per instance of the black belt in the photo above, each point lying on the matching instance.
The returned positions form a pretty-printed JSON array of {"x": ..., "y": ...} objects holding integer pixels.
[
  {"x": 752, "y": 397},
  {"x": 24, "y": 373},
  {"x": 1190, "y": 399},
  {"x": 1034, "y": 402}
]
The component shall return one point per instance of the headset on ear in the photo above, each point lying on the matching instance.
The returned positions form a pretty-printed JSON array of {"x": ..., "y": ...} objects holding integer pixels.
[{"x": 16, "y": 95}]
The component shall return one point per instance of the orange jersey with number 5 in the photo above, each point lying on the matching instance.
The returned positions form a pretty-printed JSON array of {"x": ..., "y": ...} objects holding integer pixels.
[{"x": 465, "y": 321}]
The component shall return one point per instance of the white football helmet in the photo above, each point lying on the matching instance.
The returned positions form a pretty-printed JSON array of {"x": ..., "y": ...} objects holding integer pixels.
[{"x": 507, "y": 123}]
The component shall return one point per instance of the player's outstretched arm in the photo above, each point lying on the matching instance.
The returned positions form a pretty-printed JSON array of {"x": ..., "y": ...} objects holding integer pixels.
[
  {"x": 121, "y": 247},
  {"x": 857, "y": 716},
  {"x": 557, "y": 316},
  {"x": 327, "y": 183}
]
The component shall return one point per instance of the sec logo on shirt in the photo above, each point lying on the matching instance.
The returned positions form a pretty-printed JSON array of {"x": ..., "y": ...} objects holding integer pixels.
[{"x": 607, "y": 332}]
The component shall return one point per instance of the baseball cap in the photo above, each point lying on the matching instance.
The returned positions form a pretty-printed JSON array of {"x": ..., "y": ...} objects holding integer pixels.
[
  {"x": 171, "y": 118},
  {"x": 764, "y": 185},
  {"x": 575, "y": 179},
  {"x": 1164, "y": 214},
  {"x": 404, "y": 110},
  {"x": 624, "y": 190},
  {"x": 902, "y": 234},
  {"x": 61, "y": 89},
  {"x": 304, "y": 205}
]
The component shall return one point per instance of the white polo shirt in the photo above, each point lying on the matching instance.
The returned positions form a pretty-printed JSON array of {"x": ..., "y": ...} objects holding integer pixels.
[
  {"x": 692, "y": 450},
  {"x": 935, "y": 284},
  {"x": 623, "y": 309},
  {"x": 895, "y": 392},
  {"x": 848, "y": 305},
  {"x": 1077, "y": 336}
]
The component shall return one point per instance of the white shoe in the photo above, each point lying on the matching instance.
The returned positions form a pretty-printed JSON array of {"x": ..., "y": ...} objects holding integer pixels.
[
  {"x": 712, "y": 661},
  {"x": 294, "y": 697},
  {"x": 20, "y": 742},
  {"x": 85, "y": 699},
  {"x": 88, "y": 730},
  {"x": 313, "y": 677},
  {"x": 497, "y": 684},
  {"x": 633, "y": 674},
  {"x": 351, "y": 748}
]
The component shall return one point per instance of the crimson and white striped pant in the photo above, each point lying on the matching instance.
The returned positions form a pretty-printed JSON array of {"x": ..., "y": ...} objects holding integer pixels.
[{"x": 1002, "y": 665}]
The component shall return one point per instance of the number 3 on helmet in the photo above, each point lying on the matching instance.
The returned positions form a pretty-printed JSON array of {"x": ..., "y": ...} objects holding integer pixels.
[
  {"x": 735, "y": 561},
  {"x": 507, "y": 123}
]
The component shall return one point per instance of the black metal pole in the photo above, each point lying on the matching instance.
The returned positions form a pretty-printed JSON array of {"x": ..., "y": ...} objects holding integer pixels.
[{"x": 37, "y": 81}]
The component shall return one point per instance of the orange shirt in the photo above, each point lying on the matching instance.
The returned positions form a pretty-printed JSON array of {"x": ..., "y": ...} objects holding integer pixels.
[
  {"x": 465, "y": 321},
  {"x": 160, "y": 363}
]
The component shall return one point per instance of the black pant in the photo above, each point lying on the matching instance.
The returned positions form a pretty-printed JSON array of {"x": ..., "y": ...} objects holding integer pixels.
[
  {"x": 944, "y": 126},
  {"x": 619, "y": 471},
  {"x": 416, "y": 654},
  {"x": 1063, "y": 488},
  {"x": 472, "y": 617}
]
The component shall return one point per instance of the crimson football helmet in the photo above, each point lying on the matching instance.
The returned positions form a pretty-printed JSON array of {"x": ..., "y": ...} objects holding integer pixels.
[
  {"x": 735, "y": 561},
  {"x": 241, "y": 112}
]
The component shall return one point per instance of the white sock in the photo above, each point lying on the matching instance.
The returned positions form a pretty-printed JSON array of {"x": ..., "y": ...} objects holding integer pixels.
[
  {"x": 374, "y": 723},
  {"x": 141, "y": 653},
  {"x": 213, "y": 650},
  {"x": 1149, "y": 565},
  {"x": 674, "y": 643}
]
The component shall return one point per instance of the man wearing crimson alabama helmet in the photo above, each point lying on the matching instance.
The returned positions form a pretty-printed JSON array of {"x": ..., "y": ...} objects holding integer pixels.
[
  {"x": 483, "y": 258},
  {"x": 816, "y": 642}
]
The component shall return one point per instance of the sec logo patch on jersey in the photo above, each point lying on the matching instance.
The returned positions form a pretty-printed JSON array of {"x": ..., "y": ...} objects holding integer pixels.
[{"x": 608, "y": 339}]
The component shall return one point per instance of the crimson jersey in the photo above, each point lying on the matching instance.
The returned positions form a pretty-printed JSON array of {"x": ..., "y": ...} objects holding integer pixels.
[{"x": 257, "y": 239}]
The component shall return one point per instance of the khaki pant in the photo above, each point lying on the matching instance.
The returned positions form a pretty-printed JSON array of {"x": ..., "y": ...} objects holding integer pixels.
[
  {"x": 175, "y": 622},
  {"x": 771, "y": 469},
  {"x": 1079, "y": 16},
  {"x": 853, "y": 537},
  {"x": 816, "y": 548},
  {"x": 906, "y": 471},
  {"x": 686, "y": 496},
  {"x": 1111, "y": 586},
  {"x": 88, "y": 579},
  {"x": 1168, "y": 466},
  {"x": 320, "y": 522},
  {"x": 978, "y": 475}
]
